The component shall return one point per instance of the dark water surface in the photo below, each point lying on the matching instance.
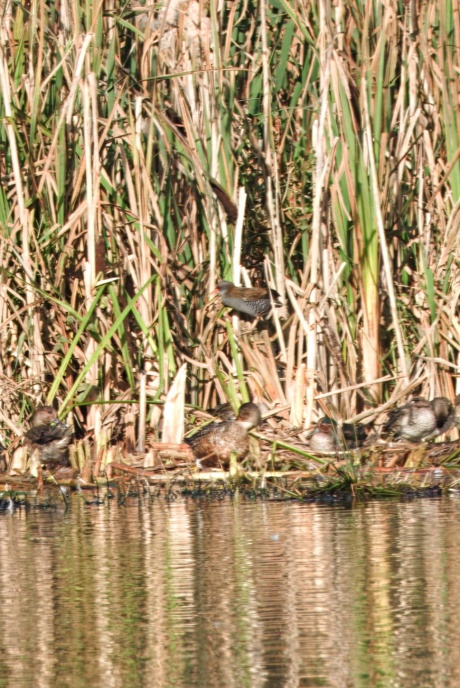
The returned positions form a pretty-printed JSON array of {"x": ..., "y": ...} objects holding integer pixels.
[{"x": 199, "y": 594}]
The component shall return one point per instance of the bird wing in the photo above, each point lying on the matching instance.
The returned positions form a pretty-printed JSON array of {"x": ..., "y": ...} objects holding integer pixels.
[
  {"x": 202, "y": 432},
  {"x": 254, "y": 294},
  {"x": 260, "y": 293}
]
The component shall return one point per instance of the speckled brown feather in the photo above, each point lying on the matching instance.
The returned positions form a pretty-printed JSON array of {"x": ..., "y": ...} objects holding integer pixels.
[
  {"x": 214, "y": 444},
  {"x": 420, "y": 419},
  {"x": 49, "y": 436},
  {"x": 252, "y": 301},
  {"x": 223, "y": 411},
  {"x": 324, "y": 437},
  {"x": 329, "y": 436}
]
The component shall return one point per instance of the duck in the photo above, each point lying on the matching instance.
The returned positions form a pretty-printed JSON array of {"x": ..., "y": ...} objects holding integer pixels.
[
  {"x": 328, "y": 436},
  {"x": 324, "y": 437},
  {"x": 214, "y": 444},
  {"x": 48, "y": 437},
  {"x": 252, "y": 301},
  {"x": 420, "y": 419}
]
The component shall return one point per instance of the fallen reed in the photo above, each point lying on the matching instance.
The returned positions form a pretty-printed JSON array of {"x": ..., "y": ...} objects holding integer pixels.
[{"x": 127, "y": 134}]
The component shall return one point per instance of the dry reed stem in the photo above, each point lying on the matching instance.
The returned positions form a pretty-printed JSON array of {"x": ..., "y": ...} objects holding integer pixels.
[{"x": 115, "y": 143}]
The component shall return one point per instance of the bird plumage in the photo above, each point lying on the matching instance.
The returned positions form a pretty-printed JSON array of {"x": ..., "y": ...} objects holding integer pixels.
[
  {"x": 252, "y": 301},
  {"x": 420, "y": 419},
  {"x": 329, "y": 436},
  {"x": 48, "y": 436},
  {"x": 215, "y": 443},
  {"x": 223, "y": 411},
  {"x": 324, "y": 437}
]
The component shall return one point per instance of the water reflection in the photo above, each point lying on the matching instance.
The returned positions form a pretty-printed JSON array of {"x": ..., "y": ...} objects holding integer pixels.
[{"x": 232, "y": 594}]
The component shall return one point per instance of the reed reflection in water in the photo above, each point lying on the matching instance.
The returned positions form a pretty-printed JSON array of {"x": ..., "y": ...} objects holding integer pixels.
[{"x": 233, "y": 594}]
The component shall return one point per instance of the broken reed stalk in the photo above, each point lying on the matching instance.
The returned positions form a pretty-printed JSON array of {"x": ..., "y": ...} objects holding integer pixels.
[{"x": 341, "y": 129}]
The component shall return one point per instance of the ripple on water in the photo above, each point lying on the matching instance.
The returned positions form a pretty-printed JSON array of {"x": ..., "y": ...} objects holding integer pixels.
[{"x": 201, "y": 594}]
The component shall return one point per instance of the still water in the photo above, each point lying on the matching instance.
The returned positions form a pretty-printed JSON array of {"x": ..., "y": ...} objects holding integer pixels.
[{"x": 231, "y": 594}]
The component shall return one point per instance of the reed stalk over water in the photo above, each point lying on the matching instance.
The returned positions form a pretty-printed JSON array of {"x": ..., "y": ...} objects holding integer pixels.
[{"x": 126, "y": 134}]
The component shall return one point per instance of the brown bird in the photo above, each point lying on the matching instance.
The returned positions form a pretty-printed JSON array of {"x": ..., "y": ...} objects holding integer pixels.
[
  {"x": 215, "y": 443},
  {"x": 420, "y": 419},
  {"x": 252, "y": 301},
  {"x": 329, "y": 436},
  {"x": 324, "y": 437},
  {"x": 48, "y": 437}
]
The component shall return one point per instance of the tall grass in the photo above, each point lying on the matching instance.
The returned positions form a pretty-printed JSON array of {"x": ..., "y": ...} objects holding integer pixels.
[{"x": 126, "y": 134}]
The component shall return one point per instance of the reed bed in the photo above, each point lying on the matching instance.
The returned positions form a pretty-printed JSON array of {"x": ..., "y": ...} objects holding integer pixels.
[
  {"x": 148, "y": 151},
  {"x": 343, "y": 483}
]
